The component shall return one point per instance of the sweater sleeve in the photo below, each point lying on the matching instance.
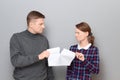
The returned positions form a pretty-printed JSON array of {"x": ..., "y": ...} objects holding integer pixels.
[
  {"x": 93, "y": 64},
  {"x": 17, "y": 58},
  {"x": 50, "y": 73}
]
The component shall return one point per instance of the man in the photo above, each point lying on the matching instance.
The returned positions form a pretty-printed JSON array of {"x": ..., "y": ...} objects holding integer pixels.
[{"x": 28, "y": 51}]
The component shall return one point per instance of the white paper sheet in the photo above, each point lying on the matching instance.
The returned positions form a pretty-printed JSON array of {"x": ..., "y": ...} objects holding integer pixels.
[{"x": 60, "y": 59}]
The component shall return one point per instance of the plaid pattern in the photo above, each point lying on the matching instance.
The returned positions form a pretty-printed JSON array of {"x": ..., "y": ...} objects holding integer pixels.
[{"x": 79, "y": 70}]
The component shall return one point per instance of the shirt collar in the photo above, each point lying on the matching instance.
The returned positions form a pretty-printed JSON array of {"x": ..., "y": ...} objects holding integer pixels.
[{"x": 86, "y": 47}]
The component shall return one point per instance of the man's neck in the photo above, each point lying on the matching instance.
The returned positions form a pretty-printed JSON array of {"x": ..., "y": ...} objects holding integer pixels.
[{"x": 31, "y": 31}]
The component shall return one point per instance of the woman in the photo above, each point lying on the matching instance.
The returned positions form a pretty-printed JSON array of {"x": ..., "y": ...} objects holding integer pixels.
[{"x": 86, "y": 61}]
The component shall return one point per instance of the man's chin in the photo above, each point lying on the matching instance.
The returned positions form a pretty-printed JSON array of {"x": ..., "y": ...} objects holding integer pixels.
[{"x": 40, "y": 32}]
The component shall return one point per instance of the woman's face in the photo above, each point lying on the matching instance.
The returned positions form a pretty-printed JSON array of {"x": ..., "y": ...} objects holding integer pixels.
[{"x": 80, "y": 35}]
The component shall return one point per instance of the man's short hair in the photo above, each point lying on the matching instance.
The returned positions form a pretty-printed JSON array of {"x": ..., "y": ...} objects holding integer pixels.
[{"x": 34, "y": 15}]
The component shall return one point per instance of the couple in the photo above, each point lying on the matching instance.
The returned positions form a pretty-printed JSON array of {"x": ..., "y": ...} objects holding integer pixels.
[{"x": 28, "y": 52}]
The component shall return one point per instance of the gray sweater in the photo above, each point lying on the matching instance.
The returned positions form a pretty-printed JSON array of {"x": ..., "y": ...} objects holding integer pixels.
[{"x": 24, "y": 50}]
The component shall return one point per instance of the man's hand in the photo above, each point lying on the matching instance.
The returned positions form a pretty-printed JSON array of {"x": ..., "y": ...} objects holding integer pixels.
[{"x": 44, "y": 54}]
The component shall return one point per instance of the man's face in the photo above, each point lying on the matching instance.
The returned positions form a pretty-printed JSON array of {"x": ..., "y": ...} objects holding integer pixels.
[{"x": 37, "y": 25}]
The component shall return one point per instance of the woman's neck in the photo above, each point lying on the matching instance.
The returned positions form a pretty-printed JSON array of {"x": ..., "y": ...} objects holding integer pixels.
[{"x": 84, "y": 43}]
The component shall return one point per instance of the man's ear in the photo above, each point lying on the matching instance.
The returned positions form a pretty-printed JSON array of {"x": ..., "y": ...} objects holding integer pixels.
[{"x": 30, "y": 24}]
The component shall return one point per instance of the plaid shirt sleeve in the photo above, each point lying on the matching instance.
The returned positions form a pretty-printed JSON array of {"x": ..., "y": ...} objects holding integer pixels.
[{"x": 70, "y": 68}]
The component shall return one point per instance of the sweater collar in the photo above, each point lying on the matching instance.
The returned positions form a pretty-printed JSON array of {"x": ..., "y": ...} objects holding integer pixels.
[{"x": 31, "y": 34}]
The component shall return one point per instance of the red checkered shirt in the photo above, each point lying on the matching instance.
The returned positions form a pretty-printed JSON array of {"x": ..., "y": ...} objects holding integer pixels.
[{"x": 82, "y": 70}]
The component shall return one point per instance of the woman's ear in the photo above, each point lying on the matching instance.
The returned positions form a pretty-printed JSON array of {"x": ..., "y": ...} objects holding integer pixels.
[{"x": 87, "y": 33}]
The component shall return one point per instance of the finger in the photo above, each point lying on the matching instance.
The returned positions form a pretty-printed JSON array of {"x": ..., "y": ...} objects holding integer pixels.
[{"x": 79, "y": 57}]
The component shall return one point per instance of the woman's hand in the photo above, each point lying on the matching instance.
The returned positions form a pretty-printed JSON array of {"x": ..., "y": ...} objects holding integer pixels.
[{"x": 80, "y": 56}]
